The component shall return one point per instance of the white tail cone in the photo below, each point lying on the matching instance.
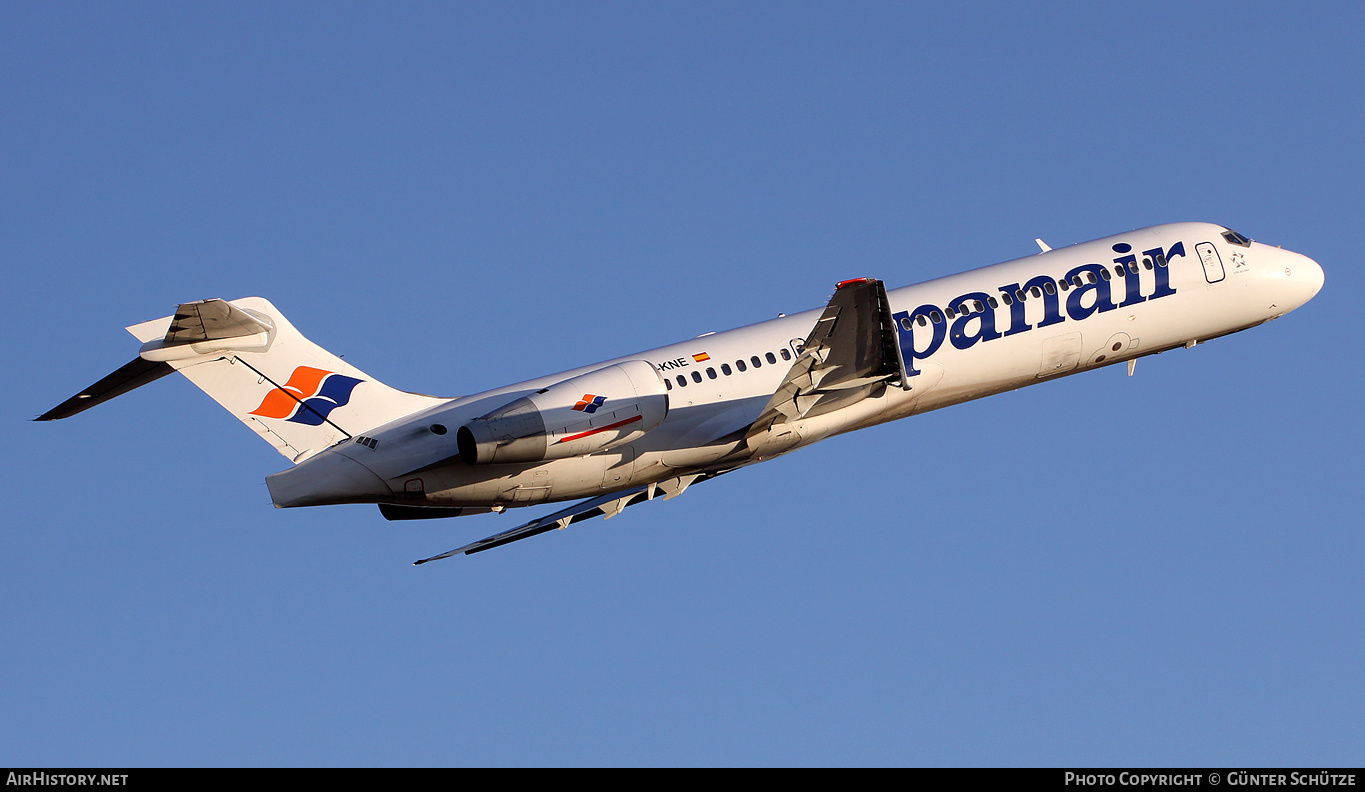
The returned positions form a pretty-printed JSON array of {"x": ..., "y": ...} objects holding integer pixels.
[{"x": 326, "y": 478}]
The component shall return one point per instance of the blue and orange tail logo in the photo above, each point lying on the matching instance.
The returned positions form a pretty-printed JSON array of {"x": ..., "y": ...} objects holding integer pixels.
[
  {"x": 589, "y": 403},
  {"x": 308, "y": 397}
]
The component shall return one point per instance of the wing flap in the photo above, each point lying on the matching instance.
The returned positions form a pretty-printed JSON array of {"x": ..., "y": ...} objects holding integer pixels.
[
  {"x": 853, "y": 346},
  {"x": 607, "y": 506}
]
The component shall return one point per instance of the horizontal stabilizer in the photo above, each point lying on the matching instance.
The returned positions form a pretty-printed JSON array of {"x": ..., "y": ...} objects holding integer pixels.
[
  {"x": 212, "y": 320},
  {"x": 294, "y": 394},
  {"x": 135, "y": 374},
  {"x": 193, "y": 323}
]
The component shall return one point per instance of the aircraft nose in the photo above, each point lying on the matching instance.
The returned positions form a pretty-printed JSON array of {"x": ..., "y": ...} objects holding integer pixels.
[
  {"x": 1310, "y": 274},
  {"x": 329, "y": 477},
  {"x": 1303, "y": 276},
  {"x": 1294, "y": 277}
]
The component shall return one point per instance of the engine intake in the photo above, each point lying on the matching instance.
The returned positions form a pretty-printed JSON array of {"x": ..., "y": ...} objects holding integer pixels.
[{"x": 591, "y": 412}]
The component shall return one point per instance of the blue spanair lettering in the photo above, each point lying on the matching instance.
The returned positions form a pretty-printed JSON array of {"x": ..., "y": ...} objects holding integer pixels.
[
  {"x": 1100, "y": 288},
  {"x": 966, "y": 306},
  {"x": 906, "y": 322},
  {"x": 1132, "y": 280},
  {"x": 1047, "y": 287},
  {"x": 1161, "y": 261},
  {"x": 1018, "y": 323},
  {"x": 1078, "y": 307}
]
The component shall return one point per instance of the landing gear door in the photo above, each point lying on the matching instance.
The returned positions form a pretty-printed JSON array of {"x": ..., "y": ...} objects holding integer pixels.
[{"x": 1213, "y": 263}]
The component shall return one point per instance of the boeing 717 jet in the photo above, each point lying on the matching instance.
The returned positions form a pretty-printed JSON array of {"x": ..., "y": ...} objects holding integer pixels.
[{"x": 652, "y": 424}]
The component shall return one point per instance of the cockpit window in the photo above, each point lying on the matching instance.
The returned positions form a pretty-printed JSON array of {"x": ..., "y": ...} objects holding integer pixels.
[{"x": 1236, "y": 238}]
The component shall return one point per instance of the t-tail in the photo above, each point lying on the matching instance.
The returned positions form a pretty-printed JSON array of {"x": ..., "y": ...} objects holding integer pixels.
[{"x": 293, "y": 393}]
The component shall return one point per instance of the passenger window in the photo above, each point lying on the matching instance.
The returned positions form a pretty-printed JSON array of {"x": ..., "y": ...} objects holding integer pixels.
[
  {"x": 668, "y": 384},
  {"x": 725, "y": 369},
  {"x": 1049, "y": 288},
  {"x": 1104, "y": 273},
  {"x": 739, "y": 364},
  {"x": 682, "y": 381},
  {"x": 906, "y": 323},
  {"x": 1036, "y": 292},
  {"x": 754, "y": 360},
  {"x": 786, "y": 355},
  {"x": 710, "y": 372},
  {"x": 923, "y": 321},
  {"x": 771, "y": 357},
  {"x": 1006, "y": 298},
  {"x": 696, "y": 376},
  {"x": 993, "y": 303},
  {"x": 936, "y": 316}
]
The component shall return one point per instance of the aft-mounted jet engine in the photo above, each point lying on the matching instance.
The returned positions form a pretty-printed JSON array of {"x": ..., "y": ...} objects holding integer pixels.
[{"x": 591, "y": 412}]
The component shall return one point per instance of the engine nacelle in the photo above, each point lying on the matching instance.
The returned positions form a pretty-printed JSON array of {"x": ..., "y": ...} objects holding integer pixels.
[{"x": 591, "y": 412}]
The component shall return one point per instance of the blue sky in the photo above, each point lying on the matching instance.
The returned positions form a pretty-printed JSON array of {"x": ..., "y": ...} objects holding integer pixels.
[{"x": 1162, "y": 570}]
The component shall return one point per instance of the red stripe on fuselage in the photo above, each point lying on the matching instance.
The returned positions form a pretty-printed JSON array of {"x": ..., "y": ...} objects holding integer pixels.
[{"x": 590, "y": 432}]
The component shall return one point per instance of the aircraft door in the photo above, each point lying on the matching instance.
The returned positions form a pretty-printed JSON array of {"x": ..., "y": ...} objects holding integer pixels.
[
  {"x": 1213, "y": 263},
  {"x": 619, "y": 468},
  {"x": 414, "y": 489},
  {"x": 1060, "y": 354}
]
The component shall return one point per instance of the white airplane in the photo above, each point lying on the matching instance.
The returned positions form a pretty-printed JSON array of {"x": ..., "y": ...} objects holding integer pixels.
[{"x": 653, "y": 423}]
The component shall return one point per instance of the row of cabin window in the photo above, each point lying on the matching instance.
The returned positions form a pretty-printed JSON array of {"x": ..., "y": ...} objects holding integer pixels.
[
  {"x": 727, "y": 371},
  {"x": 1022, "y": 295}
]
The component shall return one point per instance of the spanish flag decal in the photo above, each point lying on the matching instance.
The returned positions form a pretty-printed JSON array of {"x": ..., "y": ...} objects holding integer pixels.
[{"x": 701, "y": 356}]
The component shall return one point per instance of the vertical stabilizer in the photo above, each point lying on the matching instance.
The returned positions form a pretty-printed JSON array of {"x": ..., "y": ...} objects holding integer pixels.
[{"x": 244, "y": 354}]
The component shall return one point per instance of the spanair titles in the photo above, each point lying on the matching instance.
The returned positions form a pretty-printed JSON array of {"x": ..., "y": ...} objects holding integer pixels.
[
  {"x": 1079, "y": 293},
  {"x": 648, "y": 426}
]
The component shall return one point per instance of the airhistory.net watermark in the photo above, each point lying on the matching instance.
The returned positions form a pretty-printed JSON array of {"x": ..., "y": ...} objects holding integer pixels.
[{"x": 66, "y": 779}]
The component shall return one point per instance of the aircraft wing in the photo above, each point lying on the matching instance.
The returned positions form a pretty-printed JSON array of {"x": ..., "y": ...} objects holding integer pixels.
[
  {"x": 607, "y": 506},
  {"x": 853, "y": 347}
]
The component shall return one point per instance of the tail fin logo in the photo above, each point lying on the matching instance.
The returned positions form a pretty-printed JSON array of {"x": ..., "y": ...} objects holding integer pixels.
[
  {"x": 308, "y": 397},
  {"x": 589, "y": 403}
]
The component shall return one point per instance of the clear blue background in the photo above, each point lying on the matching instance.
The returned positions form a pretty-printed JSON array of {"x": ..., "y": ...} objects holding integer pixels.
[{"x": 1162, "y": 570}]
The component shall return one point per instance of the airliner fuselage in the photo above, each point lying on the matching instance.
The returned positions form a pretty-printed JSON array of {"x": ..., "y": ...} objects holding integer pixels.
[
  {"x": 657, "y": 421},
  {"x": 961, "y": 337}
]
